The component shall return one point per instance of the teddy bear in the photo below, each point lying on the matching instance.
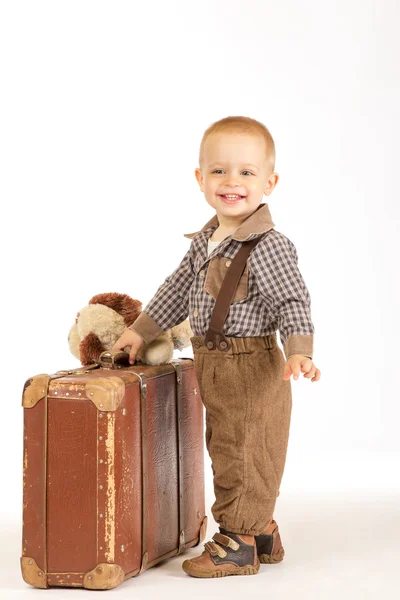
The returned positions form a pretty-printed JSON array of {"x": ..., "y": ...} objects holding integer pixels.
[{"x": 99, "y": 325}]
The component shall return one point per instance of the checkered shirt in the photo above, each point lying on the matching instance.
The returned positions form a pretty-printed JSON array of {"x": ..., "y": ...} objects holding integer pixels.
[{"x": 277, "y": 298}]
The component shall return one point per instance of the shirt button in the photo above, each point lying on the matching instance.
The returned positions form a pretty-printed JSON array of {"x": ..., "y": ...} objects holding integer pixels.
[
  {"x": 202, "y": 273},
  {"x": 228, "y": 263},
  {"x": 195, "y": 312}
]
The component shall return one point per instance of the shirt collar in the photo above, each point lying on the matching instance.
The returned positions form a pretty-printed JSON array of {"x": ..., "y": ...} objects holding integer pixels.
[{"x": 259, "y": 221}]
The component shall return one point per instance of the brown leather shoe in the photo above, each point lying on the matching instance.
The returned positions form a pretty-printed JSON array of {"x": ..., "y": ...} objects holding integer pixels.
[
  {"x": 269, "y": 546},
  {"x": 225, "y": 555}
]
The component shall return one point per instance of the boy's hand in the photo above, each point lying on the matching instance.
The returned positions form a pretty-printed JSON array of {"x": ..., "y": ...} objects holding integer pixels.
[
  {"x": 297, "y": 363},
  {"x": 132, "y": 339}
]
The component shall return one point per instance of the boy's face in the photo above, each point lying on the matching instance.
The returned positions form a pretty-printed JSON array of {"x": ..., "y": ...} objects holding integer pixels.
[{"x": 235, "y": 164}]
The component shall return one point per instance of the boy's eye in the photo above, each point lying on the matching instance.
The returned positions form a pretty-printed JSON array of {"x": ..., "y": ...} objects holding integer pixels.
[{"x": 220, "y": 170}]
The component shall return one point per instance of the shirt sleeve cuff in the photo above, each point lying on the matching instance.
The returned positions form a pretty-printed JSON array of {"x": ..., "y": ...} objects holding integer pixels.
[
  {"x": 299, "y": 344},
  {"x": 146, "y": 327}
]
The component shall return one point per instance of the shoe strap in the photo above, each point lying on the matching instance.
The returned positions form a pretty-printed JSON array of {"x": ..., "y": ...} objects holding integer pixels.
[
  {"x": 226, "y": 541},
  {"x": 215, "y": 549}
]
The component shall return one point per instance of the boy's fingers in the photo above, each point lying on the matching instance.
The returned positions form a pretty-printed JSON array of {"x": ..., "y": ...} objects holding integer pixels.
[
  {"x": 296, "y": 372},
  {"x": 287, "y": 372},
  {"x": 313, "y": 373},
  {"x": 310, "y": 373},
  {"x": 306, "y": 365},
  {"x": 317, "y": 375},
  {"x": 132, "y": 356}
]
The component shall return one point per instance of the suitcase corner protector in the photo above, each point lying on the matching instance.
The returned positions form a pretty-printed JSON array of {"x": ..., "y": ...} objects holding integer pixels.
[
  {"x": 106, "y": 393},
  {"x": 35, "y": 389},
  {"x": 104, "y": 576},
  {"x": 32, "y": 573}
]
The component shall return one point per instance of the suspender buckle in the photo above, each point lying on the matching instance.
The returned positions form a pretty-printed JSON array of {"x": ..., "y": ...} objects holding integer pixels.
[
  {"x": 215, "y": 339},
  {"x": 224, "y": 345}
]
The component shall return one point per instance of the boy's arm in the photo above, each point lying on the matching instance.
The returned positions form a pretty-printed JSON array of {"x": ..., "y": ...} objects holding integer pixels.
[
  {"x": 169, "y": 305},
  {"x": 283, "y": 288}
]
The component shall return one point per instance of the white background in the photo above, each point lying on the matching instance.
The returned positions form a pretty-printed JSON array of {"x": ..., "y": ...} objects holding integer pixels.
[{"x": 103, "y": 106}]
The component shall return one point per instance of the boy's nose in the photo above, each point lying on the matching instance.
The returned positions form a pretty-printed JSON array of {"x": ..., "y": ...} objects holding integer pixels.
[
  {"x": 232, "y": 182},
  {"x": 233, "y": 188}
]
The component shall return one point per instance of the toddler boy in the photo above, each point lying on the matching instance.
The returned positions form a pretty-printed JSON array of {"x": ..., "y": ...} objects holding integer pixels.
[{"x": 243, "y": 377}]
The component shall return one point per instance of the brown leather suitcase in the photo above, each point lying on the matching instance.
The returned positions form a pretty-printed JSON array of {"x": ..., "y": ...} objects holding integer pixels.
[{"x": 113, "y": 472}]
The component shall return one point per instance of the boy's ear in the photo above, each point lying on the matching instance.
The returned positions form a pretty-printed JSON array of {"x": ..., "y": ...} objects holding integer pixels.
[
  {"x": 271, "y": 183},
  {"x": 199, "y": 178}
]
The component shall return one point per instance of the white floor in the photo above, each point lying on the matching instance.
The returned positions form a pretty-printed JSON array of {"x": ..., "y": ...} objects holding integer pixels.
[{"x": 335, "y": 547}]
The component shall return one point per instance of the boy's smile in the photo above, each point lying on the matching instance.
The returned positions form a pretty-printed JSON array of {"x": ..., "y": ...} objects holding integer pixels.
[{"x": 234, "y": 175}]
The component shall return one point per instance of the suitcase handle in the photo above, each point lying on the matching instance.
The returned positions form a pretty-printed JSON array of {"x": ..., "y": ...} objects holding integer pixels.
[{"x": 113, "y": 359}]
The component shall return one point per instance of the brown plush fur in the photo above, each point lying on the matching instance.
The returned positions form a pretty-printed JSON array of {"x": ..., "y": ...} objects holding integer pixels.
[
  {"x": 90, "y": 349},
  {"x": 123, "y": 304},
  {"x": 99, "y": 325}
]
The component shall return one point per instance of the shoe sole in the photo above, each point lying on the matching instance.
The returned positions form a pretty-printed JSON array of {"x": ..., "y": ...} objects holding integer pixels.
[
  {"x": 272, "y": 558},
  {"x": 194, "y": 571}
]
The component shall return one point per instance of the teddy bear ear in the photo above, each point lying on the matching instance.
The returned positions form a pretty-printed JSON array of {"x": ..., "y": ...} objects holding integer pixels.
[
  {"x": 123, "y": 304},
  {"x": 130, "y": 310},
  {"x": 112, "y": 300},
  {"x": 90, "y": 349}
]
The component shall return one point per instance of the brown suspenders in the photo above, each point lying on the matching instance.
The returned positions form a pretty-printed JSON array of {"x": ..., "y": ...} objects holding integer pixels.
[{"x": 215, "y": 336}]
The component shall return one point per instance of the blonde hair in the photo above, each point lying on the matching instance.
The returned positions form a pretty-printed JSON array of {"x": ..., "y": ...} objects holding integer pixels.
[{"x": 241, "y": 125}]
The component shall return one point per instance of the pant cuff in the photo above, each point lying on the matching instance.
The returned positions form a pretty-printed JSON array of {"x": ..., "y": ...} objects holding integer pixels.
[{"x": 241, "y": 530}]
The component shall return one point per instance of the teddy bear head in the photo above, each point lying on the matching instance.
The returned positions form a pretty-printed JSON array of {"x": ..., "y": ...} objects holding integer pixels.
[{"x": 100, "y": 324}]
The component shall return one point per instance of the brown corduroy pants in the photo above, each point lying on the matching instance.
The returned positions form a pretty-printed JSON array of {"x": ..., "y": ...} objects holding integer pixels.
[{"x": 248, "y": 408}]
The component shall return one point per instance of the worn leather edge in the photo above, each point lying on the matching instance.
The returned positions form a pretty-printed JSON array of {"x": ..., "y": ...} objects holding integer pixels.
[{"x": 106, "y": 393}]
